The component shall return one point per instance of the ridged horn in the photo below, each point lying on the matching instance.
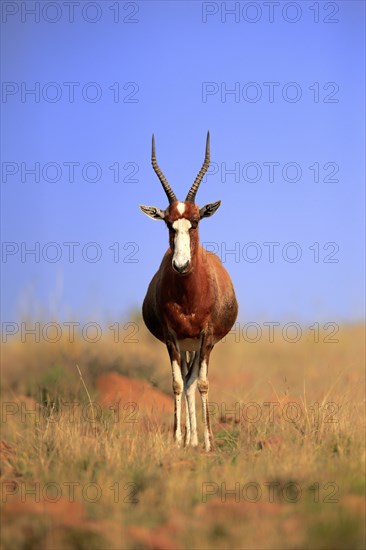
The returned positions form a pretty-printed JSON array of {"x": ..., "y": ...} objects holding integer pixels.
[
  {"x": 206, "y": 163},
  {"x": 168, "y": 190}
]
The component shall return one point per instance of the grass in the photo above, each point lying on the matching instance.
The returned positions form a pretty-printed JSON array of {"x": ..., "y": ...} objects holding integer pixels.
[{"x": 287, "y": 471}]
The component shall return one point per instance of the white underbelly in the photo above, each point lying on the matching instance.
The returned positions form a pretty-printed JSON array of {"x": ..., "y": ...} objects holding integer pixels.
[{"x": 189, "y": 344}]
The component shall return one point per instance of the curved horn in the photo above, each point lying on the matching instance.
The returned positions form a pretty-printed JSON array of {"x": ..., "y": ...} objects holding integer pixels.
[
  {"x": 168, "y": 190},
  {"x": 206, "y": 163}
]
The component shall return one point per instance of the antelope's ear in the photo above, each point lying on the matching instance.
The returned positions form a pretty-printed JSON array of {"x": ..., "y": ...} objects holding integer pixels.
[
  {"x": 152, "y": 212},
  {"x": 209, "y": 209}
]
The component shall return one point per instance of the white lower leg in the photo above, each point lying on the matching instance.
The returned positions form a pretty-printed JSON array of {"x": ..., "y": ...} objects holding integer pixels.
[
  {"x": 177, "y": 419},
  {"x": 188, "y": 423},
  {"x": 191, "y": 399},
  {"x": 190, "y": 392},
  {"x": 207, "y": 431},
  {"x": 178, "y": 390},
  {"x": 184, "y": 369},
  {"x": 203, "y": 389}
]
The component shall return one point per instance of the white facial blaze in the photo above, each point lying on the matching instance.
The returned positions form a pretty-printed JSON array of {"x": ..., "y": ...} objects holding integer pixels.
[
  {"x": 182, "y": 242},
  {"x": 181, "y": 207}
]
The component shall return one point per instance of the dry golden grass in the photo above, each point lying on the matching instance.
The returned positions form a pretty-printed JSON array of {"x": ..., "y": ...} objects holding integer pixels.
[{"x": 287, "y": 471}]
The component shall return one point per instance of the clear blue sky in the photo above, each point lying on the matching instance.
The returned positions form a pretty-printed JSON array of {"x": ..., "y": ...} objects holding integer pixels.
[{"x": 171, "y": 63}]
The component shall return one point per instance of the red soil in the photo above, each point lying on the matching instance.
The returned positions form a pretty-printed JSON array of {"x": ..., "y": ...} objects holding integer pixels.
[{"x": 115, "y": 389}]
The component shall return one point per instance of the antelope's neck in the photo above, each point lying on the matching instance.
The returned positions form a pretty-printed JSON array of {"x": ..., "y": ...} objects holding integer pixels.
[
  {"x": 187, "y": 300},
  {"x": 188, "y": 288}
]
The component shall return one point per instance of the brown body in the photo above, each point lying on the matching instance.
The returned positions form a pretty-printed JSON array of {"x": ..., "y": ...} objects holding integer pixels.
[{"x": 201, "y": 302}]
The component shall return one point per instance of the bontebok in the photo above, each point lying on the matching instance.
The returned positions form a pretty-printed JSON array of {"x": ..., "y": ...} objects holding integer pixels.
[{"x": 190, "y": 304}]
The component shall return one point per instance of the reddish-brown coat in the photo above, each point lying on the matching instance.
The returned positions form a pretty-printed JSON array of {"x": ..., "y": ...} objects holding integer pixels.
[{"x": 202, "y": 301}]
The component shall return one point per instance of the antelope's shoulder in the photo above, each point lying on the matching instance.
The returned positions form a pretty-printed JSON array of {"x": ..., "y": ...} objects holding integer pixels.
[{"x": 215, "y": 266}]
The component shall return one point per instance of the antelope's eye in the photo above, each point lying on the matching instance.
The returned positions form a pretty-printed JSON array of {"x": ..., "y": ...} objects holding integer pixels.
[{"x": 194, "y": 224}]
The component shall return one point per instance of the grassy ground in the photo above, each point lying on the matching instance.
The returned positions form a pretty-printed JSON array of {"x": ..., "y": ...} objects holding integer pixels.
[{"x": 287, "y": 471}]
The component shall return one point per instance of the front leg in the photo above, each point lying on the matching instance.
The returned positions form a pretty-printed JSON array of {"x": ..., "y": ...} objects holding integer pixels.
[
  {"x": 173, "y": 349},
  {"x": 190, "y": 392},
  {"x": 203, "y": 385}
]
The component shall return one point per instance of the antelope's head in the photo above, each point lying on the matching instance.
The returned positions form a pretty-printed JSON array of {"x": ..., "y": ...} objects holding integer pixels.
[{"x": 182, "y": 218}]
